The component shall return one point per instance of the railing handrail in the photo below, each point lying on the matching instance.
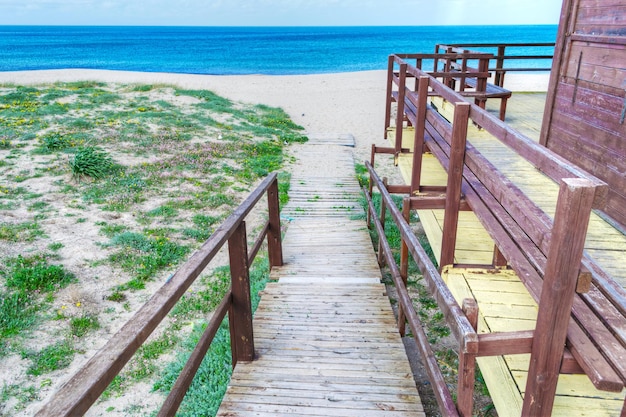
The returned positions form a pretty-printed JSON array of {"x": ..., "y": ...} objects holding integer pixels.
[
  {"x": 77, "y": 395},
  {"x": 463, "y": 330},
  {"x": 547, "y": 161},
  {"x": 500, "y": 57}
]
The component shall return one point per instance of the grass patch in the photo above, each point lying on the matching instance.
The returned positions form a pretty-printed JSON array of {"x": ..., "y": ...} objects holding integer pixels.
[
  {"x": 145, "y": 256},
  {"x": 203, "y": 227},
  {"x": 28, "y": 274},
  {"x": 51, "y": 358},
  {"x": 20, "y": 232},
  {"x": 18, "y": 312},
  {"x": 80, "y": 326},
  {"x": 91, "y": 162},
  {"x": 36, "y": 274}
]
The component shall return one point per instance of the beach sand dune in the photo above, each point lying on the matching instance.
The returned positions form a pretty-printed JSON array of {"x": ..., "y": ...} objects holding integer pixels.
[{"x": 337, "y": 103}]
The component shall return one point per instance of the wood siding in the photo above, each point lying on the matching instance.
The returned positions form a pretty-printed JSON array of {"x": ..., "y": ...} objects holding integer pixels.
[{"x": 584, "y": 118}]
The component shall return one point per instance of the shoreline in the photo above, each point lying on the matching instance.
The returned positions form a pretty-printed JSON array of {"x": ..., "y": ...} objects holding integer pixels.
[{"x": 330, "y": 103}]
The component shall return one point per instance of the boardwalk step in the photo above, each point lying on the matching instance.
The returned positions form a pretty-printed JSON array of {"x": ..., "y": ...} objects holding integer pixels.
[{"x": 325, "y": 334}]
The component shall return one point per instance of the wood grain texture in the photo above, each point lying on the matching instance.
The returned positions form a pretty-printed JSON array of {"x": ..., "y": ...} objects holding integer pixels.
[
  {"x": 325, "y": 337},
  {"x": 504, "y": 305}
]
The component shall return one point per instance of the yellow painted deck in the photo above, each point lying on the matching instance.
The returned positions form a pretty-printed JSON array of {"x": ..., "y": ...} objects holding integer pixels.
[
  {"x": 325, "y": 333},
  {"x": 504, "y": 304}
]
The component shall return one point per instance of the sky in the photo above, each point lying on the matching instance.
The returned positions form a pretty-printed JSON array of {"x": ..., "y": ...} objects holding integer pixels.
[{"x": 278, "y": 12}]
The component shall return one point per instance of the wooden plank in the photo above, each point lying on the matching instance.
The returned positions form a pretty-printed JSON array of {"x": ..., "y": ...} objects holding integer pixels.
[
  {"x": 505, "y": 376},
  {"x": 324, "y": 332}
]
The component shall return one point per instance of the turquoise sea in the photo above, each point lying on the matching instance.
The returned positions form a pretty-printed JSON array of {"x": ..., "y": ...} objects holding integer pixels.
[{"x": 242, "y": 50}]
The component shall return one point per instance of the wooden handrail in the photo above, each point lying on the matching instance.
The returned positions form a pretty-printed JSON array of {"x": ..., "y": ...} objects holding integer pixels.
[
  {"x": 548, "y": 162},
  {"x": 501, "y": 58},
  {"x": 79, "y": 393},
  {"x": 461, "y": 327}
]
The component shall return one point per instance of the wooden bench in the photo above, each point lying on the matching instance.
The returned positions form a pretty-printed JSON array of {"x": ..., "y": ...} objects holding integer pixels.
[{"x": 586, "y": 330}]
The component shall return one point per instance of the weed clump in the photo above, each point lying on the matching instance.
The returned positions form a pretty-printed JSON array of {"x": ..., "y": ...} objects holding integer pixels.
[{"x": 92, "y": 162}]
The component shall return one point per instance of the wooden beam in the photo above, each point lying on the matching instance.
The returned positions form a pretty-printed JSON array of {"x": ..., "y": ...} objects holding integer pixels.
[
  {"x": 467, "y": 365},
  {"x": 455, "y": 179},
  {"x": 240, "y": 314},
  {"x": 566, "y": 249}
]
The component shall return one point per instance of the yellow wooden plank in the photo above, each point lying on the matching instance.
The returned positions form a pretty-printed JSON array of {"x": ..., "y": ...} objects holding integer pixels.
[{"x": 503, "y": 307}]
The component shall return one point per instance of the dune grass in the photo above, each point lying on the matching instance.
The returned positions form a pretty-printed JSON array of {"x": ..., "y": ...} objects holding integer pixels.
[{"x": 136, "y": 177}]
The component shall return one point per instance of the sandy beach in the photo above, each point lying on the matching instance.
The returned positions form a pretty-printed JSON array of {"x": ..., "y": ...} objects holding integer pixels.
[
  {"x": 324, "y": 104},
  {"x": 342, "y": 103}
]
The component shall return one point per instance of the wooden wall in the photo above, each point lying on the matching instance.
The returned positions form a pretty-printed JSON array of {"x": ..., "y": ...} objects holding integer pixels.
[{"x": 586, "y": 105}]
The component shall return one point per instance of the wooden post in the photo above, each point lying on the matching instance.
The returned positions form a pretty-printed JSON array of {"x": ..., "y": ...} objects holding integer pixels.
[
  {"x": 499, "y": 77},
  {"x": 420, "y": 128},
  {"x": 455, "y": 179},
  {"x": 404, "y": 263},
  {"x": 370, "y": 185},
  {"x": 400, "y": 111},
  {"x": 274, "y": 240},
  {"x": 388, "y": 98},
  {"x": 557, "y": 294},
  {"x": 383, "y": 214},
  {"x": 467, "y": 365},
  {"x": 498, "y": 258},
  {"x": 240, "y": 315}
]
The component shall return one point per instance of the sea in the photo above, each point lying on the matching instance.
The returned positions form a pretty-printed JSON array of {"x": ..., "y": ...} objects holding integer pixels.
[{"x": 245, "y": 50}]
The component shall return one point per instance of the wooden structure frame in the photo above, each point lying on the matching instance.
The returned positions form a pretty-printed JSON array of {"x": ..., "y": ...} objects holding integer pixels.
[
  {"x": 467, "y": 72},
  {"x": 77, "y": 395},
  {"x": 546, "y": 254},
  {"x": 502, "y": 56}
]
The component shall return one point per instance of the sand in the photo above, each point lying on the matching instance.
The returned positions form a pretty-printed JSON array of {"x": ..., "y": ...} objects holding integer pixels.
[
  {"x": 324, "y": 104},
  {"x": 351, "y": 102}
]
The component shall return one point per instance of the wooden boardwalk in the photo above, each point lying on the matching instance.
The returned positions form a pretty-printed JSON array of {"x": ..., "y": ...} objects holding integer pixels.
[
  {"x": 325, "y": 334},
  {"x": 504, "y": 303}
]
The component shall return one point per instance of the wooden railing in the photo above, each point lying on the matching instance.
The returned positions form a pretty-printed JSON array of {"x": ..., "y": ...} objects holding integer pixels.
[
  {"x": 546, "y": 253},
  {"x": 461, "y": 327},
  {"x": 503, "y": 58},
  {"x": 83, "y": 388}
]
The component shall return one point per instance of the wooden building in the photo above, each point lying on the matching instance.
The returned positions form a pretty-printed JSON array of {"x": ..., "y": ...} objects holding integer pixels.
[{"x": 586, "y": 103}]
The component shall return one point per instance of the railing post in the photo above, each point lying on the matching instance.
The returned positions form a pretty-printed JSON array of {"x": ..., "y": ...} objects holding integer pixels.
[
  {"x": 467, "y": 365},
  {"x": 420, "y": 129},
  {"x": 400, "y": 110},
  {"x": 274, "y": 240},
  {"x": 383, "y": 215},
  {"x": 499, "y": 78},
  {"x": 389, "y": 98},
  {"x": 240, "y": 314},
  {"x": 455, "y": 180},
  {"x": 571, "y": 219},
  {"x": 404, "y": 264}
]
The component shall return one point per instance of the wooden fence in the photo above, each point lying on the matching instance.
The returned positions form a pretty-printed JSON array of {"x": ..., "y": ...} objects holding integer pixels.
[
  {"x": 83, "y": 388},
  {"x": 547, "y": 254},
  {"x": 503, "y": 56}
]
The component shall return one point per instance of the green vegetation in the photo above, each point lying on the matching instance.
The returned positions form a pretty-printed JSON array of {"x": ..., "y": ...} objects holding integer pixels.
[
  {"x": 29, "y": 284},
  {"x": 144, "y": 256},
  {"x": 91, "y": 162},
  {"x": 20, "y": 232},
  {"x": 51, "y": 358},
  {"x": 152, "y": 170},
  {"x": 80, "y": 326}
]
